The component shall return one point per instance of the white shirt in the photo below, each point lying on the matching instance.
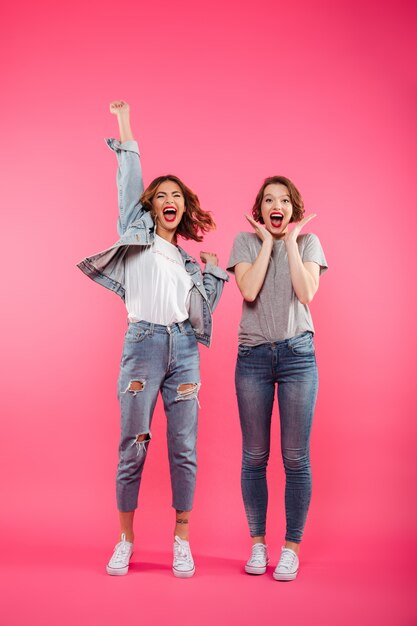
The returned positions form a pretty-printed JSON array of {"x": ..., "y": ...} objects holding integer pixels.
[{"x": 157, "y": 283}]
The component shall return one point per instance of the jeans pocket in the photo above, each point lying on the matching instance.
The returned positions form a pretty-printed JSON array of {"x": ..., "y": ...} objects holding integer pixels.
[
  {"x": 303, "y": 345},
  {"x": 243, "y": 350},
  {"x": 136, "y": 334}
]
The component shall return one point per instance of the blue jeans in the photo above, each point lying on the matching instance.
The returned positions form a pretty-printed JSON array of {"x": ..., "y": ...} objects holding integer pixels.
[
  {"x": 158, "y": 359},
  {"x": 292, "y": 364}
]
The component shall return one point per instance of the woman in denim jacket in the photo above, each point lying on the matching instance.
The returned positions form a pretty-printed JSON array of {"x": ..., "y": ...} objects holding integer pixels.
[
  {"x": 277, "y": 271},
  {"x": 169, "y": 303}
]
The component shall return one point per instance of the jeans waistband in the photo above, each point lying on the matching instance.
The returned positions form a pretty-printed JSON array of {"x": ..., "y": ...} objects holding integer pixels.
[
  {"x": 281, "y": 342},
  {"x": 290, "y": 340},
  {"x": 177, "y": 327}
]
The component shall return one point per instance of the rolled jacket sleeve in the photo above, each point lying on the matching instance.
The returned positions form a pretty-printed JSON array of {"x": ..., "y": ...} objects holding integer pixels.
[
  {"x": 129, "y": 182},
  {"x": 213, "y": 279},
  {"x": 216, "y": 271}
]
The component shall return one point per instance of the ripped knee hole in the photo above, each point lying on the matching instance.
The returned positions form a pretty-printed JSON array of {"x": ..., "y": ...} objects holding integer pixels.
[
  {"x": 144, "y": 437},
  {"x": 188, "y": 391},
  {"x": 141, "y": 442},
  {"x": 134, "y": 386},
  {"x": 187, "y": 388}
]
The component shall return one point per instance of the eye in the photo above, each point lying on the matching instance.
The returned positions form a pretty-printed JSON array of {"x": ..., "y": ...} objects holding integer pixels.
[
  {"x": 268, "y": 199},
  {"x": 286, "y": 200}
]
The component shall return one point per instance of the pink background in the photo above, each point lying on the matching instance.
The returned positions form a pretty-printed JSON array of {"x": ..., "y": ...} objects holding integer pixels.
[{"x": 222, "y": 95}]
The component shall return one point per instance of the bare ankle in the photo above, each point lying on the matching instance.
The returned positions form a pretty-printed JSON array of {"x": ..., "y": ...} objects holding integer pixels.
[
  {"x": 259, "y": 539},
  {"x": 295, "y": 547}
]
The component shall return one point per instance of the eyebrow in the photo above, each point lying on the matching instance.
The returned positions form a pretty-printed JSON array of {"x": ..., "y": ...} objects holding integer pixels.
[
  {"x": 165, "y": 192},
  {"x": 285, "y": 195}
]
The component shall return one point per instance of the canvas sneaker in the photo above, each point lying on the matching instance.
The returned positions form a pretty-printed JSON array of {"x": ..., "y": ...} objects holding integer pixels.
[
  {"x": 183, "y": 564},
  {"x": 288, "y": 565},
  {"x": 258, "y": 560},
  {"x": 119, "y": 562}
]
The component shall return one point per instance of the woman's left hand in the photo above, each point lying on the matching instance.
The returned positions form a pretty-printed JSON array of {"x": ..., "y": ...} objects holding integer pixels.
[
  {"x": 292, "y": 235},
  {"x": 209, "y": 257}
]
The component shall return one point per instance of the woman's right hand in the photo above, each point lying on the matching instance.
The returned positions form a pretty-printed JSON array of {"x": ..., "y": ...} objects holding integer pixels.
[
  {"x": 118, "y": 107},
  {"x": 121, "y": 109},
  {"x": 263, "y": 234},
  {"x": 250, "y": 276}
]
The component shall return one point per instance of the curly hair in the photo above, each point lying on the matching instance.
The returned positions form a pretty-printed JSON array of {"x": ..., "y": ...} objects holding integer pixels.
[
  {"x": 195, "y": 221},
  {"x": 295, "y": 197}
]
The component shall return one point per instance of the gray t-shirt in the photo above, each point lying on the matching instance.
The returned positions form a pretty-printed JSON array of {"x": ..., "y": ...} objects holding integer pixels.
[{"x": 276, "y": 313}]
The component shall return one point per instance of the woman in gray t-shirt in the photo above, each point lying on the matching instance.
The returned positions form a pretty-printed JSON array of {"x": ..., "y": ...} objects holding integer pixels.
[{"x": 277, "y": 271}]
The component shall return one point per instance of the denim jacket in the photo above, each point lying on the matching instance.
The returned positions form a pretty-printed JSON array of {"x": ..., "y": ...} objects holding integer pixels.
[{"x": 137, "y": 228}]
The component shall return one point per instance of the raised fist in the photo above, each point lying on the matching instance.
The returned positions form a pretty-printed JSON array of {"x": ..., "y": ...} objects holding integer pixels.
[{"x": 119, "y": 106}]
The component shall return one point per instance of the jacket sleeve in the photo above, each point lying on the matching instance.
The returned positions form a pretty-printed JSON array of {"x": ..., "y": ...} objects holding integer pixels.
[
  {"x": 129, "y": 182},
  {"x": 213, "y": 280}
]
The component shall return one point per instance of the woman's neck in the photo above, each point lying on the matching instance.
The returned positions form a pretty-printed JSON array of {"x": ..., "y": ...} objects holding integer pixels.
[{"x": 168, "y": 235}]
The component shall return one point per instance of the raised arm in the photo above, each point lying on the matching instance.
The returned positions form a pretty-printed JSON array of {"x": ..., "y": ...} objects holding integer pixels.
[
  {"x": 122, "y": 111},
  {"x": 129, "y": 172},
  {"x": 305, "y": 276},
  {"x": 214, "y": 278},
  {"x": 250, "y": 276}
]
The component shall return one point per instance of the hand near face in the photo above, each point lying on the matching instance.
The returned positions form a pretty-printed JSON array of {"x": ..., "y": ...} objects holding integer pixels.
[
  {"x": 292, "y": 235},
  {"x": 119, "y": 107},
  {"x": 260, "y": 230},
  {"x": 209, "y": 257}
]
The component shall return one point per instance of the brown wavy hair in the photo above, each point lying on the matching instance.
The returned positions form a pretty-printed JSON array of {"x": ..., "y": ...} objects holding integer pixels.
[
  {"x": 195, "y": 221},
  {"x": 295, "y": 197}
]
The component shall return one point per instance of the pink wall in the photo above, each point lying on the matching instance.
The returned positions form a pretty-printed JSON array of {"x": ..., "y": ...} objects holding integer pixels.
[{"x": 319, "y": 91}]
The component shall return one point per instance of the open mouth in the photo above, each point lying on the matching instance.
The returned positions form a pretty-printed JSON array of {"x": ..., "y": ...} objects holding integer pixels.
[
  {"x": 170, "y": 213},
  {"x": 276, "y": 218}
]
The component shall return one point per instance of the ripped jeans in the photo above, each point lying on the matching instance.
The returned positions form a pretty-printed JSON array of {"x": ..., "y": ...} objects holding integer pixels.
[
  {"x": 166, "y": 359},
  {"x": 290, "y": 363}
]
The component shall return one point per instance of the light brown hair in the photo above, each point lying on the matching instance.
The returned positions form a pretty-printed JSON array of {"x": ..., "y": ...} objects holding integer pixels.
[
  {"x": 295, "y": 197},
  {"x": 195, "y": 220}
]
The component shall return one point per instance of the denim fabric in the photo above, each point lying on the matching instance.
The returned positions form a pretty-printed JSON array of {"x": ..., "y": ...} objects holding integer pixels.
[
  {"x": 292, "y": 364},
  {"x": 158, "y": 358},
  {"x": 136, "y": 228}
]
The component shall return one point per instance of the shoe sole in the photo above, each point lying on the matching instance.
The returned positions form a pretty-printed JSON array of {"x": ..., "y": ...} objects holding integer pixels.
[
  {"x": 285, "y": 577},
  {"x": 178, "y": 574},
  {"x": 250, "y": 569},
  {"x": 120, "y": 571}
]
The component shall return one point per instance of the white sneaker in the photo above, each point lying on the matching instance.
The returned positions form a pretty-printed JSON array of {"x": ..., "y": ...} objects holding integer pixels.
[
  {"x": 119, "y": 562},
  {"x": 183, "y": 564},
  {"x": 258, "y": 560},
  {"x": 288, "y": 565}
]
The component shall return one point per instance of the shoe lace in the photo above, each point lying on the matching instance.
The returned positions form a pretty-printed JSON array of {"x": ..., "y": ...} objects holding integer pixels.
[
  {"x": 258, "y": 553},
  {"x": 182, "y": 552},
  {"x": 287, "y": 559},
  {"x": 121, "y": 551}
]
